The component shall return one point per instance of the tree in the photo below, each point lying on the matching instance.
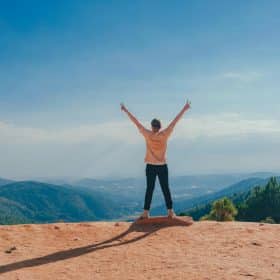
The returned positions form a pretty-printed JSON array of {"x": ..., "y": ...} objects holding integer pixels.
[
  {"x": 261, "y": 203},
  {"x": 222, "y": 210}
]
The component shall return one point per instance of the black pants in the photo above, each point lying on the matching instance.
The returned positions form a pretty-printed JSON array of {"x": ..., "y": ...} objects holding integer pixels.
[{"x": 151, "y": 172}]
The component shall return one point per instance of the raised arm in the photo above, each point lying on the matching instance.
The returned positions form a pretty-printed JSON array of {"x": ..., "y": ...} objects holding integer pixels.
[
  {"x": 178, "y": 117},
  {"x": 133, "y": 119}
]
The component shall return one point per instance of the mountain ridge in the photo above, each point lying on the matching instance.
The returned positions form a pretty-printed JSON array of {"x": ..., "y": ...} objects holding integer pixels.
[{"x": 44, "y": 202}]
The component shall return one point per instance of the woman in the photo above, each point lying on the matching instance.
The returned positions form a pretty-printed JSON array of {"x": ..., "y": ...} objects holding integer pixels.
[{"x": 155, "y": 159}]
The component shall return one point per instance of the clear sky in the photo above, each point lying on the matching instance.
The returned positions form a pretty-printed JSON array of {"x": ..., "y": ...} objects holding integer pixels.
[{"x": 66, "y": 65}]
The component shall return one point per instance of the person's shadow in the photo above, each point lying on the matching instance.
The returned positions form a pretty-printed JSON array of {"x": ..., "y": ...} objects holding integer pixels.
[{"x": 71, "y": 253}]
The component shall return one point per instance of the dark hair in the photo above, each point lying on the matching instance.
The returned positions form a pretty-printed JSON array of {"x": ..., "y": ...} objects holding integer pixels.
[{"x": 156, "y": 123}]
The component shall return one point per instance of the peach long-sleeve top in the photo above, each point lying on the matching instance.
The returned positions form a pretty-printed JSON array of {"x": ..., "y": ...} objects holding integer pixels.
[{"x": 156, "y": 145}]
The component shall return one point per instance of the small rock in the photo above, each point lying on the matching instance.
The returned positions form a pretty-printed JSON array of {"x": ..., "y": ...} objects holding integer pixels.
[
  {"x": 56, "y": 227},
  {"x": 117, "y": 224},
  {"x": 76, "y": 239},
  {"x": 256, "y": 243},
  {"x": 9, "y": 251},
  {"x": 27, "y": 226},
  {"x": 247, "y": 274},
  {"x": 84, "y": 224}
]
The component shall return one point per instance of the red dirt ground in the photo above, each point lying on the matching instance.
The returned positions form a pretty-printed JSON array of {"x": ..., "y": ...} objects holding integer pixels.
[{"x": 123, "y": 250}]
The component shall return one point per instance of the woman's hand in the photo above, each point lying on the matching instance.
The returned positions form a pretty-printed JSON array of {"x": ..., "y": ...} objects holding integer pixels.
[
  {"x": 123, "y": 108},
  {"x": 187, "y": 105}
]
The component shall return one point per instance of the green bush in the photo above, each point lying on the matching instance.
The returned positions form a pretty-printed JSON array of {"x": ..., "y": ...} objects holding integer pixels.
[{"x": 222, "y": 210}]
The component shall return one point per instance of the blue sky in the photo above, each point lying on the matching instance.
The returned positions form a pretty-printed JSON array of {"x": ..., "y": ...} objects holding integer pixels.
[{"x": 66, "y": 66}]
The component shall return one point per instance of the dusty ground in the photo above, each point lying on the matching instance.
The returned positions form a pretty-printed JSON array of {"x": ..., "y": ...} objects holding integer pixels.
[{"x": 109, "y": 250}]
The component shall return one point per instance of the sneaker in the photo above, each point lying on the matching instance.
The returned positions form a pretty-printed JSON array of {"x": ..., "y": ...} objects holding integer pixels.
[
  {"x": 144, "y": 215},
  {"x": 171, "y": 213}
]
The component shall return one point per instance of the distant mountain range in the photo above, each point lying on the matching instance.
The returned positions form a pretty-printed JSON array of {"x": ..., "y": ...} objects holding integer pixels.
[
  {"x": 240, "y": 187},
  {"x": 132, "y": 190},
  {"x": 118, "y": 199},
  {"x": 4, "y": 181},
  {"x": 29, "y": 201}
]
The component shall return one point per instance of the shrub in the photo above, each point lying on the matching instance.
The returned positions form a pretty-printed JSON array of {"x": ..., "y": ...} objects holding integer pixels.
[{"x": 222, "y": 210}]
